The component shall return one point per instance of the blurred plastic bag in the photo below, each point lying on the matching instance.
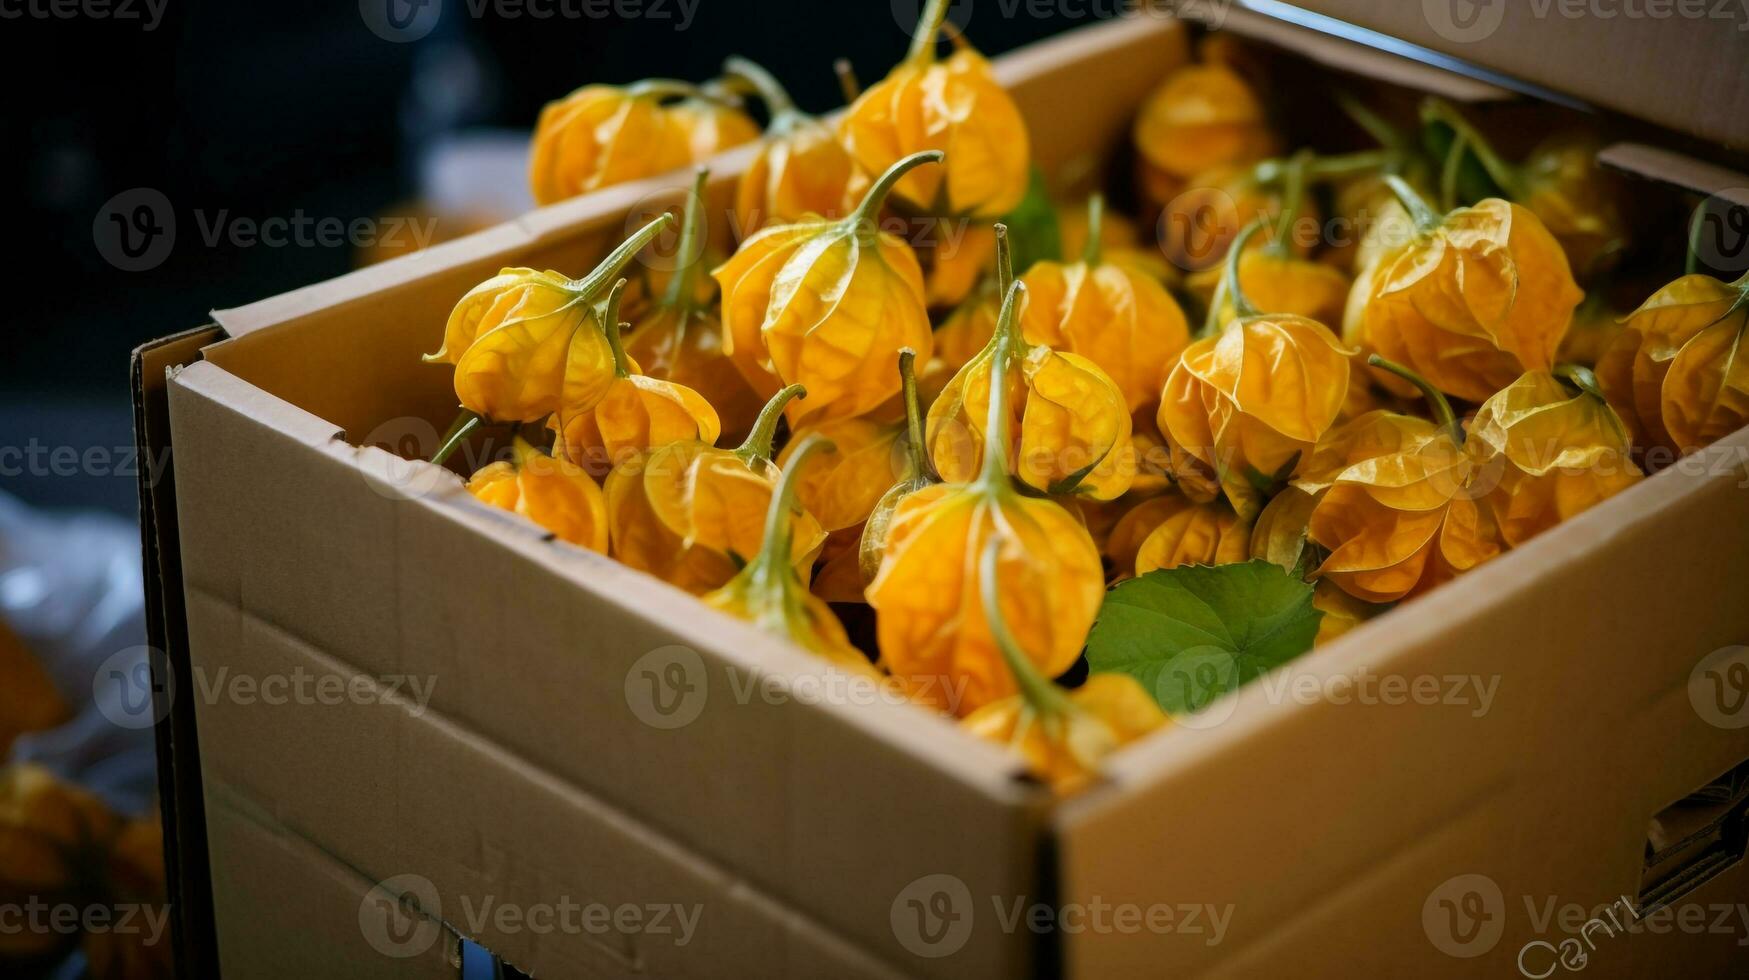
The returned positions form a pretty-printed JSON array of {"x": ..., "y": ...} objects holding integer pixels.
[{"x": 70, "y": 588}]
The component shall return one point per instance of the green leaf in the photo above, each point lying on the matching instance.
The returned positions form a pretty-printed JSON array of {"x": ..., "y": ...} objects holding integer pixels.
[
  {"x": 1192, "y": 633},
  {"x": 1032, "y": 226}
]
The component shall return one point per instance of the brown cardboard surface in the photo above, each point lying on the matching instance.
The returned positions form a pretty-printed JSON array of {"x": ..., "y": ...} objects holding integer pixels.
[
  {"x": 486, "y": 827},
  {"x": 1592, "y": 630},
  {"x": 295, "y": 538},
  {"x": 178, "y": 755},
  {"x": 531, "y": 772},
  {"x": 285, "y": 909},
  {"x": 1682, "y": 66}
]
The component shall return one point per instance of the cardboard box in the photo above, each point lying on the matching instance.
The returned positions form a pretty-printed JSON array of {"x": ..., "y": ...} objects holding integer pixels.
[
  {"x": 1676, "y": 63},
  {"x": 418, "y": 711}
]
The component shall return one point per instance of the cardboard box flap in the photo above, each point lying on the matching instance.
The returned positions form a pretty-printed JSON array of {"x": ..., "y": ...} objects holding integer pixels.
[
  {"x": 1374, "y": 57},
  {"x": 1671, "y": 167},
  {"x": 178, "y": 754},
  {"x": 1677, "y": 65}
]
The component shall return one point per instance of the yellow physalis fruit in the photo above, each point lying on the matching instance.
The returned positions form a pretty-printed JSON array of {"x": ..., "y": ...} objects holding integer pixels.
[
  {"x": 1472, "y": 300},
  {"x": 1559, "y": 450},
  {"x": 914, "y": 475},
  {"x": 967, "y": 329},
  {"x": 49, "y": 832},
  {"x": 934, "y": 632},
  {"x": 801, "y": 169},
  {"x": 1138, "y": 521},
  {"x": 1279, "y": 534},
  {"x": 1120, "y": 243},
  {"x": 1122, "y": 320},
  {"x": 1594, "y": 329},
  {"x": 553, "y": 493},
  {"x": 1202, "y": 117},
  {"x": 679, "y": 337},
  {"x": 1282, "y": 282},
  {"x": 838, "y": 574},
  {"x": 711, "y": 121},
  {"x": 1069, "y": 422},
  {"x": 1399, "y": 521},
  {"x": 771, "y": 595},
  {"x": 1200, "y": 224},
  {"x": 1251, "y": 400},
  {"x": 601, "y": 135},
  {"x": 29, "y": 701},
  {"x": 1063, "y": 736},
  {"x": 134, "y": 874},
  {"x": 1342, "y": 612},
  {"x": 692, "y": 515},
  {"x": 638, "y": 413},
  {"x": 961, "y": 255},
  {"x": 1561, "y": 183},
  {"x": 827, "y": 305},
  {"x": 1193, "y": 534},
  {"x": 1678, "y": 373},
  {"x": 954, "y": 107},
  {"x": 859, "y": 460},
  {"x": 524, "y": 342}
]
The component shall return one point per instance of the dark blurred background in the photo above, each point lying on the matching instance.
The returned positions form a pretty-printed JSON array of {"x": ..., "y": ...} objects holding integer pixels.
[{"x": 246, "y": 112}]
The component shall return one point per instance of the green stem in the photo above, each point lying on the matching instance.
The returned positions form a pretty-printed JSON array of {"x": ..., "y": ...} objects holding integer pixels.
[
  {"x": 1211, "y": 320},
  {"x": 1004, "y": 260},
  {"x": 1436, "y": 400},
  {"x": 1419, "y": 212},
  {"x": 619, "y": 258},
  {"x": 1293, "y": 201},
  {"x": 1501, "y": 172},
  {"x": 459, "y": 430},
  {"x": 1382, "y": 132},
  {"x": 913, "y": 413},
  {"x": 864, "y": 214},
  {"x": 777, "y": 100},
  {"x": 779, "y": 528},
  {"x": 1095, "y": 221},
  {"x": 1230, "y": 276},
  {"x": 1039, "y": 693},
  {"x": 663, "y": 88},
  {"x": 758, "y": 444},
  {"x": 847, "y": 82},
  {"x": 928, "y": 25},
  {"x": 610, "y": 323},
  {"x": 683, "y": 288},
  {"x": 1581, "y": 376},
  {"x": 1327, "y": 168},
  {"x": 1448, "y": 174},
  {"x": 994, "y": 473}
]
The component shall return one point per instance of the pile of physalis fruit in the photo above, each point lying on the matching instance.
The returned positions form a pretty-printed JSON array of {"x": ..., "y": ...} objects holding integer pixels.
[{"x": 1067, "y": 504}]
